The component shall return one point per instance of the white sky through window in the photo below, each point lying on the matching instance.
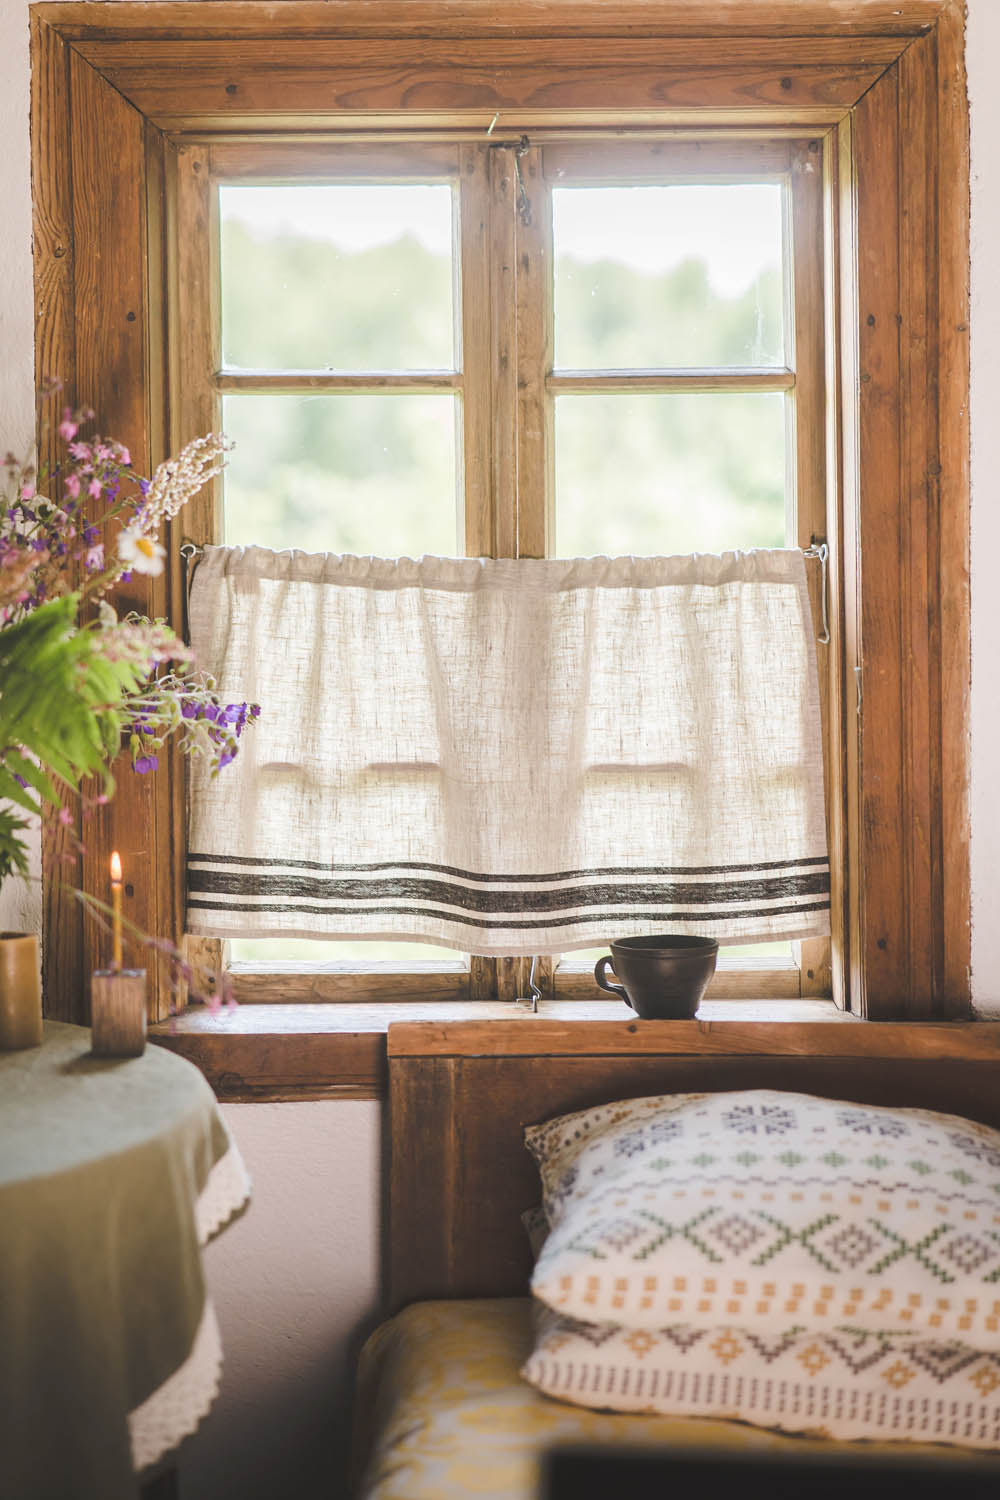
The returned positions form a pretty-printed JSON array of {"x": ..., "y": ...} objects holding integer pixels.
[{"x": 735, "y": 228}]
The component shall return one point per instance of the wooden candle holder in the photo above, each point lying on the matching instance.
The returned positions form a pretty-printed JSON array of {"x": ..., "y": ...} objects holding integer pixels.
[{"x": 118, "y": 1012}]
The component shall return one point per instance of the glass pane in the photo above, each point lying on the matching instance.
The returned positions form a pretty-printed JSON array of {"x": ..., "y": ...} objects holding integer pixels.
[
  {"x": 656, "y": 474},
  {"x": 337, "y": 278},
  {"x": 660, "y": 277},
  {"x": 342, "y": 473},
  {"x": 310, "y": 950}
]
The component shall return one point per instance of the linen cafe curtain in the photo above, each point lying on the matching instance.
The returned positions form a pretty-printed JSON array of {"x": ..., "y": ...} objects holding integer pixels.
[{"x": 511, "y": 756}]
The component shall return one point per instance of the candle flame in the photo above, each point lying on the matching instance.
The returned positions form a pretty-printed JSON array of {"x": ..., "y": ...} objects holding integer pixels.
[{"x": 116, "y": 866}]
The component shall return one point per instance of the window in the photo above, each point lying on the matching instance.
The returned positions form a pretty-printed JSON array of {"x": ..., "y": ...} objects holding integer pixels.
[
  {"x": 662, "y": 302},
  {"x": 151, "y": 96}
]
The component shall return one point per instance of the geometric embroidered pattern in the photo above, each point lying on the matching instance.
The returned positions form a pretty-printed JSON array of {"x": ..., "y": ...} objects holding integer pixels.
[
  {"x": 844, "y": 1386},
  {"x": 770, "y": 1209},
  {"x": 840, "y": 1386}
]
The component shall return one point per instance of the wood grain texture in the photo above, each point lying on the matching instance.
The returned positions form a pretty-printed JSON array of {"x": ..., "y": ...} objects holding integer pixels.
[
  {"x": 318, "y": 161},
  {"x": 478, "y": 524},
  {"x": 503, "y": 348},
  {"x": 285, "y": 1065},
  {"x": 112, "y": 375},
  {"x": 724, "y": 19},
  {"x": 949, "y": 208},
  {"x": 876, "y": 560},
  {"x": 328, "y": 1050},
  {"x": 900, "y": 549},
  {"x": 535, "y": 357},
  {"x": 55, "y": 355},
  {"x": 168, "y": 80},
  {"x": 460, "y": 1176},
  {"x": 544, "y": 1036}
]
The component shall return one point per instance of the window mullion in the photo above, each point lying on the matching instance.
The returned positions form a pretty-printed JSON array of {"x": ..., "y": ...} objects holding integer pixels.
[
  {"x": 503, "y": 322},
  {"x": 474, "y": 217},
  {"x": 535, "y": 447}
]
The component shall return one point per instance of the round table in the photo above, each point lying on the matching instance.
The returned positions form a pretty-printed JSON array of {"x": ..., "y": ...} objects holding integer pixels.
[{"x": 113, "y": 1174}]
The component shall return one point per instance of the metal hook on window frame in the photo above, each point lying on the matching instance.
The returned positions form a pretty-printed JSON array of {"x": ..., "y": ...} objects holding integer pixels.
[
  {"x": 536, "y": 993},
  {"x": 822, "y": 551},
  {"x": 192, "y": 553}
]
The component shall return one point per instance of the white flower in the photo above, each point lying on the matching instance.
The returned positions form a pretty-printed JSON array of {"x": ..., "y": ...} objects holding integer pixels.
[{"x": 140, "y": 553}]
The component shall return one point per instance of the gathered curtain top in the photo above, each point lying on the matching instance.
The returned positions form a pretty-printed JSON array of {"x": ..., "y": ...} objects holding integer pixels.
[{"x": 526, "y": 574}]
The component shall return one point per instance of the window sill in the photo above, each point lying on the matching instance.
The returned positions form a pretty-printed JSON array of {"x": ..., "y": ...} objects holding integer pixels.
[{"x": 287, "y": 1052}]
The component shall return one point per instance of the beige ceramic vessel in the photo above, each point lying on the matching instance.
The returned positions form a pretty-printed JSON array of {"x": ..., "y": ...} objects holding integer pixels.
[{"x": 20, "y": 991}]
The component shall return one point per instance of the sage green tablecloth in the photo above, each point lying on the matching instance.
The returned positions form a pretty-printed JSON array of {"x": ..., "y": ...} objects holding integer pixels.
[{"x": 101, "y": 1287}]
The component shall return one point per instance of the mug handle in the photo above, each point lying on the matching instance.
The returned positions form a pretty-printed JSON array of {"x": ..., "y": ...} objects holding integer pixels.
[{"x": 600, "y": 974}]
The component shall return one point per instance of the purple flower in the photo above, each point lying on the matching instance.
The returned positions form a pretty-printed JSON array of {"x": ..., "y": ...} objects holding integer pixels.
[{"x": 145, "y": 763}]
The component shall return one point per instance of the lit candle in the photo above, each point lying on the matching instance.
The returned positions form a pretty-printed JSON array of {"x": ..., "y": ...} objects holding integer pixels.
[{"x": 116, "y": 910}]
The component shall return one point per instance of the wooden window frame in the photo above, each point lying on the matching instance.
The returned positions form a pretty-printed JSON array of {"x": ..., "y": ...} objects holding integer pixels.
[{"x": 119, "y": 87}]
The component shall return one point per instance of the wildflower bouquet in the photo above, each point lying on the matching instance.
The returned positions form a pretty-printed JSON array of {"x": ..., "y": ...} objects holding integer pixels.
[{"x": 78, "y": 684}]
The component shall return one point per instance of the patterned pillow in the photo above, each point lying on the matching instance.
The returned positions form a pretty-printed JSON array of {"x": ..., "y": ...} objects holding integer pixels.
[
  {"x": 838, "y": 1385},
  {"x": 767, "y": 1210}
]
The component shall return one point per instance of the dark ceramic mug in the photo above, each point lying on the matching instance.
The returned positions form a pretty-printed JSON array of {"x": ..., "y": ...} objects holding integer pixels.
[{"x": 662, "y": 977}]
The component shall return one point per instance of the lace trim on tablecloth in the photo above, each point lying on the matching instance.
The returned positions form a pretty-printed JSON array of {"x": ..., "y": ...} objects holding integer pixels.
[
  {"x": 224, "y": 1194},
  {"x": 175, "y": 1408}
]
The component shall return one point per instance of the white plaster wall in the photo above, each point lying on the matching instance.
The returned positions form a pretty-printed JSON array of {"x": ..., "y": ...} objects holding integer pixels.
[
  {"x": 296, "y": 1279},
  {"x": 295, "y": 1285}
]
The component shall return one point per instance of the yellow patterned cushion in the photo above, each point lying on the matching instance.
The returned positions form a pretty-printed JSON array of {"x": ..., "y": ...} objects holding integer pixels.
[
  {"x": 836, "y": 1385},
  {"x": 442, "y": 1412},
  {"x": 771, "y": 1212}
]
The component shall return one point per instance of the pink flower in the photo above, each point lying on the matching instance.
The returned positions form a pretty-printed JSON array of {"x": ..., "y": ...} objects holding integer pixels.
[
  {"x": 95, "y": 556},
  {"x": 124, "y": 456},
  {"x": 65, "y": 817},
  {"x": 80, "y": 450},
  {"x": 73, "y": 485},
  {"x": 68, "y": 429},
  {"x": 27, "y": 491},
  {"x": 94, "y": 488}
]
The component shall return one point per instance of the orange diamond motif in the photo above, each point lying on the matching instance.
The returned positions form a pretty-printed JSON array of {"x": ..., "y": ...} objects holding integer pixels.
[
  {"x": 985, "y": 1379},
  {"x": 726, "y": 1348},
  {"x": 813, "y": 1359}
]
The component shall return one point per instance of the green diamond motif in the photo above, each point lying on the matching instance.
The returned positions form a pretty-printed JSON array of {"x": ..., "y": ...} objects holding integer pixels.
[
  {"x": 961, "y": 1177},
  {"x": 661, "y": 1164},
  {"x": 790, "y": 1158},
  {"x": 920, "y": 1166},
  {"x": 876, "y": 1161},
  {"x": 703, "y": 1159},
  {"x": 834, "y": 1159},
  {"x": 747, "y": 1158}
]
